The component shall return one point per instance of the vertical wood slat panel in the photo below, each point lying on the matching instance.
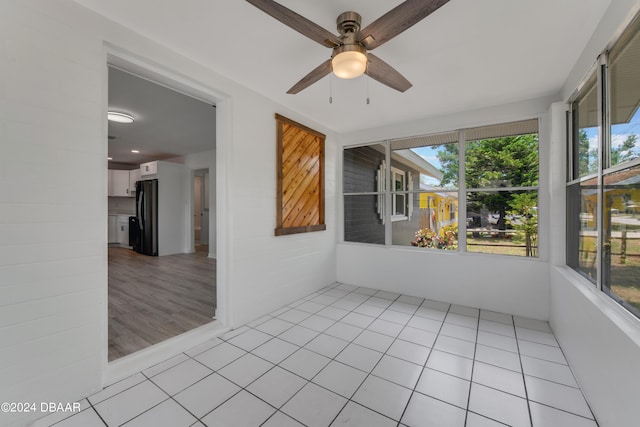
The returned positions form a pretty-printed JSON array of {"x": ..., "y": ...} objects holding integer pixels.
[{"x": 300, "y": 178}]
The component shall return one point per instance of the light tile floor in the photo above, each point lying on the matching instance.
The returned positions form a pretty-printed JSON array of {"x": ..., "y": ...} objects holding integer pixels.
[{"x": 347, "y": 356}]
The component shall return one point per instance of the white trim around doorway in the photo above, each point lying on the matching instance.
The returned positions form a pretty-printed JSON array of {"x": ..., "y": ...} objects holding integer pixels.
[{"x": 127, "y": 61}]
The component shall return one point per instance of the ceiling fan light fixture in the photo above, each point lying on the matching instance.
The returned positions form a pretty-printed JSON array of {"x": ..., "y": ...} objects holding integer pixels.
[
  {"x": 118, "y": 117},
  {"x": 349, "y": 62}
]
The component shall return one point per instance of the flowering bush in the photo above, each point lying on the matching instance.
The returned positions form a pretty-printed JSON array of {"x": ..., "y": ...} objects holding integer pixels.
[{"x": 426, "y": 238}]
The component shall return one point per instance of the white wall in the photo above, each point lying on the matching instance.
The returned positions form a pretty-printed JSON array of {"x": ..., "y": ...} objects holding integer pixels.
[
  {"x": 507, "y": 285},
  {"x": 501, "y": 283},
  {"x": 600, "y": 340},
  {"x": 266, "y": 268},
  {"x": 53, "y": 283},
  {"x": 173, "y": 204},
  {"x": 53, "y": 209}
]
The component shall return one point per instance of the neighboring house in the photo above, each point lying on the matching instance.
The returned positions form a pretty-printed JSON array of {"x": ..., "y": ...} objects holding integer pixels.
[
  {"x": 365, "y": 170},
  {"x": 438, "y": 208}
]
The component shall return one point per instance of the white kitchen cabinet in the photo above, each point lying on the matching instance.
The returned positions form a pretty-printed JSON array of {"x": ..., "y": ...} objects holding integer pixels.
[
  {"x": 134, "y": 175},
  {"x": 122, "y": 183},
  {"x": 120, "y": 187},
  {"x": 122, "y": 232},
  {"x": 149, "y": 168},
  {"x": 113, "y": 228}
]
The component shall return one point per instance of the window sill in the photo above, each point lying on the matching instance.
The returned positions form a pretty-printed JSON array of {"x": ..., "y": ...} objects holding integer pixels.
[
  {"x": 395, "y": 218},
  {"x": 614, "y": 312}
]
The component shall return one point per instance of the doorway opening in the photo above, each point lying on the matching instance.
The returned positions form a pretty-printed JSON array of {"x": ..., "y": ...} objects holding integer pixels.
[
  {"x": 201, "y": 210},
  {"x": 155, "y": 295}
]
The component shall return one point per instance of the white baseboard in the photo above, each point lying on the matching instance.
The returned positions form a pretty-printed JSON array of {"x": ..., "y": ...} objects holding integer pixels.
[{"x": 143, "y": 359}]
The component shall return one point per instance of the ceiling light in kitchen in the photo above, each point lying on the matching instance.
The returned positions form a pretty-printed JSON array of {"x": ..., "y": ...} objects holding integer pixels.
[
  {"x": 135, "y": 151},
  {"x": 118, "y": 117}
]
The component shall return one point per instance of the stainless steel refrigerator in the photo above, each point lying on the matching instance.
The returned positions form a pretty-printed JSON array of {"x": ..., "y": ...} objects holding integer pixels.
[{"x": 146, "y": 239}]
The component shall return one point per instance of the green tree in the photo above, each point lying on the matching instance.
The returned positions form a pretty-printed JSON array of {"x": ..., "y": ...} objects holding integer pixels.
[
  {"x": 525, "y": 219},
  {"x": 585, "y": 156},
  {"x": 493, "y": 163},
  {"x": 624, "y": 152},
  {"x": 500, "y": 162},
  {"x": 448, "y": 157}
]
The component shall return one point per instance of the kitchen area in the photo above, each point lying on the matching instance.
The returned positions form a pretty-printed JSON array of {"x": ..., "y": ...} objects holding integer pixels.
[
  {"x": 161, "y": 196},
  {"x": 122, "y": 205},
  {"x": 147, "y": 206}
]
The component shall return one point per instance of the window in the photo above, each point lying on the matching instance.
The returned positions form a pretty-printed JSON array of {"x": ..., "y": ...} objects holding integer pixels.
[
  {"x": 428, "y": 191},
  {"x": 585, "y": 131},
  {"x": 399, "y": 207},
  {"x": 603, "y": 188},
  {"x": 621, "y": 239},
  {"x": 364, "y": 194},
  {"x": 500, "y": 165},
  {"x": 501, "y": 176},
  {"x": 623, "y": 72}
]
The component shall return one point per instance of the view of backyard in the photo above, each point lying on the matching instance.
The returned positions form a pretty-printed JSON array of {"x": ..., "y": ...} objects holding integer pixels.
[{"x": 501, "y": 175}]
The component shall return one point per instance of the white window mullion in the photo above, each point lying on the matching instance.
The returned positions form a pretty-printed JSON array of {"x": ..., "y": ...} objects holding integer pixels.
[
  {"x": 602, "y": 156},
  {"x": 462, "y": 195},
  {"x": 387, "y": 195},
  {"x": 409, "y": 195}
]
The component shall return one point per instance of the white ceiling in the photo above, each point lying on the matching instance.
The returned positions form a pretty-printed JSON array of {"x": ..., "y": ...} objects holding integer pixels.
[
  {"x": 167, "y": 123},
  {"x": 468, "y": 54}
]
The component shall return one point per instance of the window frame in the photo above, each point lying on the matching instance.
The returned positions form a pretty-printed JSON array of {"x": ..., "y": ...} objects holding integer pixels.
[
  {"x": 402, "y": 193},
  {"x": 386, "y": 193},
  {"x": 605, "y": 167}
]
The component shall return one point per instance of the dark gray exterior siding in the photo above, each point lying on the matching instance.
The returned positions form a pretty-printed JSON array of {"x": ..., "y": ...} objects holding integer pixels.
[{"x": 361, "y": 220}]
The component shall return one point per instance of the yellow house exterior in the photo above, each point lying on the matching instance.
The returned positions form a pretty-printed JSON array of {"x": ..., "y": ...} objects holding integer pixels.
[
  {"x": 437, "y": 208},
  {"x": 621, "y": 197}
]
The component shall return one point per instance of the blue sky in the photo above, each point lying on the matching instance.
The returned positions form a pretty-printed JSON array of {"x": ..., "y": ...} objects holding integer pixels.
[
  {"x": 430, "y": 154},
  {"x": 619, "y": 133}
]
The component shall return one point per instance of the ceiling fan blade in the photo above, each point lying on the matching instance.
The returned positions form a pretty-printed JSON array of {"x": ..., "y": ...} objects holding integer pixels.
[
  {"x": 384, "y": 73},
  {"x": 319, "y": 72},
  {"x": 397, "y": 20},
  {"x": 298, "y": 22}
]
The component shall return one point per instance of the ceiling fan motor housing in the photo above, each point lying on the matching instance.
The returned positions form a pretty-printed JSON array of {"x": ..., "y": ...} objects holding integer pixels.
[{"x": 348, "y": 22}]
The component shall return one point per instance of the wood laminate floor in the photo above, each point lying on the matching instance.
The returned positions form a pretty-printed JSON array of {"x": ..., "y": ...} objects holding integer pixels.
[{"x": 152, "y": 299}]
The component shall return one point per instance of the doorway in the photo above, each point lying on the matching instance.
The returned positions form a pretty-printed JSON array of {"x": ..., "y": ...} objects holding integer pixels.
[
  {"x": 154, "y": 298},
  {"x": 201, "y": 209}
]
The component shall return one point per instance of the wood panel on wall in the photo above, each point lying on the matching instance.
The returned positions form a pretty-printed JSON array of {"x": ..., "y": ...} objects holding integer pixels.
[{"x": 300, "y": 179}]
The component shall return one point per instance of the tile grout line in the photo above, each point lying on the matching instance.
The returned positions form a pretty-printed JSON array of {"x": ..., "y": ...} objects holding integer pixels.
[
  {"x": 337, "y": 361},
  {"x": 473, "y": 365},
  {"x": 524, "y": 382},
  {"x": 372, "y": 369},
  {"x": 300, "y": 347},
  {"x": 593, "y": 416},
  {"x": 413, "y": 391},
  {"x": 277, "y": 409},
  {"x": 369, "y": 373},
  {"x": 198, "y": 419},
  {"x": 352, "y": 342},
  {"x": 444, "y": 351}
]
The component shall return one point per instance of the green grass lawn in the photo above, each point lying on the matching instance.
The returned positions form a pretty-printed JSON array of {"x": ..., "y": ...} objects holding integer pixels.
[{"x": 495, "y": 245}]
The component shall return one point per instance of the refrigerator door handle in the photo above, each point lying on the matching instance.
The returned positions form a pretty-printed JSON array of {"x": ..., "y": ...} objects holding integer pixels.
[{"x": 140, "y": 205}]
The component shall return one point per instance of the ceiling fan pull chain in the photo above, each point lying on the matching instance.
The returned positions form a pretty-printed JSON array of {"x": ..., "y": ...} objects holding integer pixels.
[
  {"x": 331, "y": 88},
  {"x": 368, "y": 78}
]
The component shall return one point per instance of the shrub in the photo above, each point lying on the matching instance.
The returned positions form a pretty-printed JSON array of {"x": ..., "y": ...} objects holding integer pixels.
[{"x": 447, "y": 239}]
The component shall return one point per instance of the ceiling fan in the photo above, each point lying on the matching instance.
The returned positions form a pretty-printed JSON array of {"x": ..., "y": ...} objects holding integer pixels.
[{"x": 351, "y": 57}]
